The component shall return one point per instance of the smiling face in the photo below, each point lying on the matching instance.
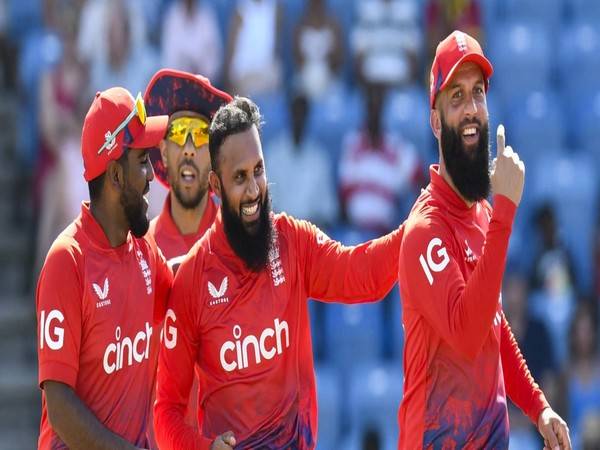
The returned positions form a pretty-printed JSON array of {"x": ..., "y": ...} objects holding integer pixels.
[
  {"x": 460, "y": 123},
  {"x": 241, "y": 183},
  {"x": 187, "y": 166}
]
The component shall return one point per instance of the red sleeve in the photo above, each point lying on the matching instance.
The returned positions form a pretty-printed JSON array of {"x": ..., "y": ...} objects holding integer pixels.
[
  {"x": 164, "y": 281},
  {"x": 58, "y": 307},
  {"x": 176, "y": 366},
  {"x": 333, "y": 272},
  {"x": 520, "y": 385},
  {"x": 461, "y": 311}
]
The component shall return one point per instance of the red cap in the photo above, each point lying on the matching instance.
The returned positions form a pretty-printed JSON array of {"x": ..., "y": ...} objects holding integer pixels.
[
  {"x": 109, "y": 110},
  {"x": 172, "y": 90},
  {"x": 456, "y": 49}
]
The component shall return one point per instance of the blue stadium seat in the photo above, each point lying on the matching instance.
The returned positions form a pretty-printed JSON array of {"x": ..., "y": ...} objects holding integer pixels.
[
  {"x": 406, "y": 112},
  {"x": 375, "y": 392},
  {"x": 224, "y": 10},
  {"x": 334, "y": 115},
  {"x": 584, "y": 117},
  {"x": 275, "y": 111},
  {"x": 579, "y": 57},
  {"x": 397, "y": 330},
  {"x": 570, "y": 183},
  {"x": 521, "y": 54},
  {"x": 535, "y": 123},
  {"x": 585, "y": 10},
  {"x": 548, "y": 14},
  {"x": 353, "y": 334},
  {"x": 329, "y": 394}
]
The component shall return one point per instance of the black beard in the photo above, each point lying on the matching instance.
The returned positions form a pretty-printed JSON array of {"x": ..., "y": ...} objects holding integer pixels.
[
  {"x": 133, "y": 206},
  {"x": 188, "y": 203},
  {"x": 469, "y": 170},
  {"x": 252, "y": 247}
]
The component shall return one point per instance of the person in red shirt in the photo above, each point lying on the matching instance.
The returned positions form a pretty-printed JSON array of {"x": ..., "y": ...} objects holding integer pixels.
[
  {"x": 181, "y": 162},
  {"x": 103, "y": 289},
  {"x": 238, "y": 312},
  {"x": 461, "y": 359}
]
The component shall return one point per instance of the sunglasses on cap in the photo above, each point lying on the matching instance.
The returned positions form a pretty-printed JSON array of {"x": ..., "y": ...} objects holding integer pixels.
[
  {"x": 181, "y": 127},
  {"x": 139, "y": 110}
]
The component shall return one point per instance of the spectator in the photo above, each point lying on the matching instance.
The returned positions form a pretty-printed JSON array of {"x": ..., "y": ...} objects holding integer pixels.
[
  {"x": 127, "y": 60},
  {"x": 531, "y": 334},
  {"x": 252, "y": 62},
  {"x": 300, "y": 172},
  {"x": 386, "y": 41},
  {"x": 552, "y": 280},
  {"x": 442, "y": 17},
  {"x": 63, "y": 104},
  {"x": 583, "y": 372},
  {"x": 191, "y": 40},
  {"x": 371, "y": 440},
  {"x": 318, "y": 50},
  {"x": 379, "y": 172}
]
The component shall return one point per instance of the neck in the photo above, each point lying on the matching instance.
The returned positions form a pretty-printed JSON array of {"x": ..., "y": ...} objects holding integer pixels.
[
  {"x": 446, "y": 176},
  {"x": 187, "y": 220},
  {"x": 115, "y": 228}
]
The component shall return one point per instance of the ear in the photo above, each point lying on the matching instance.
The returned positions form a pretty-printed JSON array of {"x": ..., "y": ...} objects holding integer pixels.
[
  {"x": 162, "y": 146},
  {"x": 215, "y": 183},
  {"x": 435, "y": 122},
  {"x": 115, "y": 175}
]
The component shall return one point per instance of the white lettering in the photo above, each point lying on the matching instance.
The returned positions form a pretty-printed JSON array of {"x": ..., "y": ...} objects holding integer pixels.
[
  {"x": 431, "y": 264},
  {"x": 170, "y": 332},
  {"x": 126, "y": 351},
  {"x": 55, "y": 340}
]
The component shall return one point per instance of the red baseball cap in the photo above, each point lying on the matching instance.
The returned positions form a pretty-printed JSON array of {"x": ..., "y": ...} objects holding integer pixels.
[
  {"x": 456, "y": 49},
  {"x": 114, "y": 121},
  {"x": 172, "y": 90}
]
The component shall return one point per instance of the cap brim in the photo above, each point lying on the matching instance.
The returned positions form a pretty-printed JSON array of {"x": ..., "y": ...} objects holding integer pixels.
[
  {"x": 172, "y": 90},
  {"x": 154, "y": 131},
  {"x": 477, "y": 58}
]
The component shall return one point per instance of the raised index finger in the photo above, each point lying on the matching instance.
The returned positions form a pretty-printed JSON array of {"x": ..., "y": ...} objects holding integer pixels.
[{"x": 500, "y": 139}]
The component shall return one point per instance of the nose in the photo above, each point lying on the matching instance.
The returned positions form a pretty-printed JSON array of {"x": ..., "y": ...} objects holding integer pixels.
[
  {"x": 471, "y": 106},
  {"x": 189, "y": 151},
  {"x": 252, "y": 188}
]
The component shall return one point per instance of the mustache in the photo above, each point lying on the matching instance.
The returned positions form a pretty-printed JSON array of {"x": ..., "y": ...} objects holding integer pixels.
[
  {"x": 188, "y": 162},
  {"x": 473, "y": 121}
]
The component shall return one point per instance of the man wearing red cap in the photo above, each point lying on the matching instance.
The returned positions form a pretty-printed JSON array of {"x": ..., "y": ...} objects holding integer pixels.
[
  {"x": 461, "y": 359},
  {"x": 181, "y": 162},
  {"x": 103, "y": 289}
]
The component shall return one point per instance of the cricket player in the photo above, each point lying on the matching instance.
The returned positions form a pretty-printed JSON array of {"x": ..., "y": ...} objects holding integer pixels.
[
  {"x": 181, "y": 162},
  {"x": 102, "y": 290},
  {"x": 461, "y": 359},
  {"x": 239, "y": 312}
]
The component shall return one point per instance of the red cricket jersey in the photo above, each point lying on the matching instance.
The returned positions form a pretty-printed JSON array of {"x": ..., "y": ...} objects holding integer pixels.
[
  {"x": 460, "y": 354},
  {"x": 96, "y": 307},
  {"x": 248, "y": 334},
  {"x": 175, "y": 246}
]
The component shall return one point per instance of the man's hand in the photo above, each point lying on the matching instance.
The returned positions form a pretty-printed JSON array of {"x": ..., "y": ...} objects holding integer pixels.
[
  {"x": 508, "y": 171},
  {"x": 554, "y": 430},
  {"x": 224, "y": 442}
]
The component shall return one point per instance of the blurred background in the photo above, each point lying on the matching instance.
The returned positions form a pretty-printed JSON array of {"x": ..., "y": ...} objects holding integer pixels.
[{"x": 342, "y": 85}]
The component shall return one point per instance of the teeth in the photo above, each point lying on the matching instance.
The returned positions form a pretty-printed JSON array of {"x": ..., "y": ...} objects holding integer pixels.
[
  {"x": 469, "y": 131},
  {"x": 187, "y": 173},
  {"x": 250, "y": 210}
]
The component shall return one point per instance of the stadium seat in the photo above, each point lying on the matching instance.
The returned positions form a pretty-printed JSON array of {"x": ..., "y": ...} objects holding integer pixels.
[
  {"x": 534, "y": 123},
  {"x": 585, "y": 10},
  {"x": 329, "y": 398},
  {"x": 353, "y": 333},
  {"x": 579, "y": 57},
  {"x": 521, "y": 54},
  {"x": 548, "y": 14},
  {"x": 570, "y": 183},
  {"x": 374, "y": 393},
  {"x": 406, "y": 112},
  {"x": 275, "y": 111}
]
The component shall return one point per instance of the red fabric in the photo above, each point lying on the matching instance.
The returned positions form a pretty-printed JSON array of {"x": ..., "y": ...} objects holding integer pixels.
[
  {"x": 248, "y": 334},
  {"x": 174, "y": 246},
  {"x": 458, "y": 356},
  {"x": 95, "y": 303}
]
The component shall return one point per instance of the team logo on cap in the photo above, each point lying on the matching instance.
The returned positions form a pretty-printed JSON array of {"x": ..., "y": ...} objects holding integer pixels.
[
  {"x": 461, "y": 42},
  {"x": 111, "y": 143}
]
